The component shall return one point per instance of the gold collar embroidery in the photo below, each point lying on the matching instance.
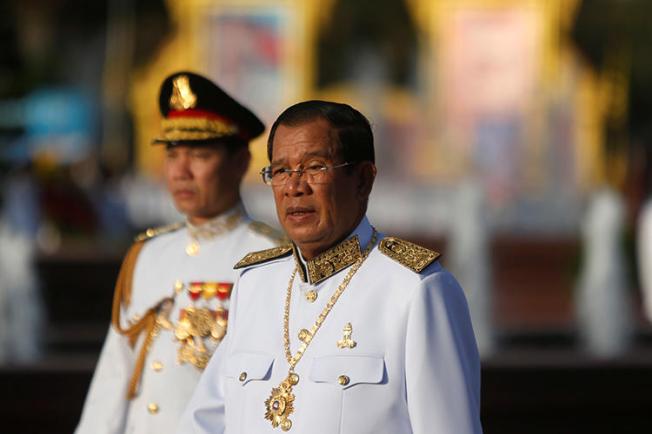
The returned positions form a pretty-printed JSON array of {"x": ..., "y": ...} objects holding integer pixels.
[
  {"x": 331, "y": 261},
  {"x": 216, "y": 226},
  {"x": 211, "y": 229}
]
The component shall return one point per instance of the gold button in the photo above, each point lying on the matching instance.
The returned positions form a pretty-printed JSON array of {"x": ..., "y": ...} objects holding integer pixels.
[
  {"x": 304, "y": 335},
  {"x": 311, "y": 295},
  {"x": 178, "y": 286},
  {"x": 343, "y": 380},
  {"x": 152, "y": 408},
  {"x": 192, "y": 249},
  {"x": 157, "y": 366},
  {"x": 293, "y": 379},
  {"x": 243, "y": 376}
]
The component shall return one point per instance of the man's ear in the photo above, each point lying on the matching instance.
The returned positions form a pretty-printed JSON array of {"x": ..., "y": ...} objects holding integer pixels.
[{"x": 367, "y": 171}]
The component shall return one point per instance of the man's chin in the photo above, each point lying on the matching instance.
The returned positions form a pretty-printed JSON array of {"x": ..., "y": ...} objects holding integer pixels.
[{"x": 304, "y": 236}]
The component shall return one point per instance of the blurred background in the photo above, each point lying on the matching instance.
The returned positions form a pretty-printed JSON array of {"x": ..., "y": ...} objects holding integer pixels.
[{"x": 514, "y": 136}]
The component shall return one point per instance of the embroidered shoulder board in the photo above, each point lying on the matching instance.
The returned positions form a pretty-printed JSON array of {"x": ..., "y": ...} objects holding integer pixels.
[
  {"x": 261, "y": 228},
  {"x": 414, "y": 257},
  {"x": 261, "y": 256},
  {"x": 153, "y": 232}
]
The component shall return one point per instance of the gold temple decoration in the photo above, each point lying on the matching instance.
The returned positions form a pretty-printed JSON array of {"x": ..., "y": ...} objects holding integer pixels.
[
  {"x": 280, "y": 404},
  {"x": 182, "y": 97},
  {"x": 347, "y": 341},
  {"x": 408, "y": 254}
]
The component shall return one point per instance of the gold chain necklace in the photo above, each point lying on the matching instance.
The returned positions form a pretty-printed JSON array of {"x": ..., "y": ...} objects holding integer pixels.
[{"x": 280, "y": 404}]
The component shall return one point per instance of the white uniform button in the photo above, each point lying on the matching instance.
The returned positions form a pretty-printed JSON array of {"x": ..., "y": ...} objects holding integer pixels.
[
  {"x": 242, "y": 377},
  {"x": 157, "y": 366},
  {"x": 343, "y": 380},
  {"x": 152, "y": 407}
]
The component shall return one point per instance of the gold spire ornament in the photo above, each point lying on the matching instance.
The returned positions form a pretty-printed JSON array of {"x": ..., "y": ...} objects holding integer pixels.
[
  {"x": 280, "y": 404},
  {"x": 346, "y": 341},
  {"x": 182, "y": 97}
]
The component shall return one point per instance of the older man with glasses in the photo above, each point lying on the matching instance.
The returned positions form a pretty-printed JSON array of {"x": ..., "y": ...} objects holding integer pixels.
[{"x": 344, "y": 330}]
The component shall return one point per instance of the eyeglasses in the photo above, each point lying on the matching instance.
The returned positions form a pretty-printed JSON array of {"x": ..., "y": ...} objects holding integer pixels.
[{"x": 316, "y": 173}]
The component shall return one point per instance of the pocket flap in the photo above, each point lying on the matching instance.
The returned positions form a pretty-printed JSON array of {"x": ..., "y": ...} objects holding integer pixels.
[
  {"x": 347, "y": 371},
  {"x": 246, "y": 367}
]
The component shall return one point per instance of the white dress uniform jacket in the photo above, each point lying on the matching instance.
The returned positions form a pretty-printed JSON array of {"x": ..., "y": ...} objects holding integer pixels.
[
  {"x": 195, "y": 270},
  {"x": 413, "y": 367}
]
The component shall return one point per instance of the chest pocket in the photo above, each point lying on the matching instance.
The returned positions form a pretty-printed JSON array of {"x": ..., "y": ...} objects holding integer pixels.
[
  {"x": 347, "y": 371},
  {"x": 246, "y": 367}
]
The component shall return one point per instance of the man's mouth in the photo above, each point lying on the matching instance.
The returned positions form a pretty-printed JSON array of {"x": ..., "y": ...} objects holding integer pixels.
[
  {"x": 299, "y": 211},
  {"x": 183, "y": 192}
]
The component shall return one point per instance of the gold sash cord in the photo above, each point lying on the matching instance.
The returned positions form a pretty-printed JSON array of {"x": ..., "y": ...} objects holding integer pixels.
[{"x": 121, "y": 295}]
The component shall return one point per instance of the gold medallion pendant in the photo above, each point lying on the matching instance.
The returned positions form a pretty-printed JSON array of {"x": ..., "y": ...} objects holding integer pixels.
[{"x": 280, "y": 404}]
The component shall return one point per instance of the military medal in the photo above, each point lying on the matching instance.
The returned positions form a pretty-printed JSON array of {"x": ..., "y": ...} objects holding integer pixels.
[
  {"x": 280, "y": 404},
  {"x": 197, "y": 323}
]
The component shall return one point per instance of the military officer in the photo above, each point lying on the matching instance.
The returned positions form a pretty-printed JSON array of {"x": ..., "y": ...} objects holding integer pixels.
[
  {"x": 172, "y": 297},
  {"x": 355, "y": 332}
]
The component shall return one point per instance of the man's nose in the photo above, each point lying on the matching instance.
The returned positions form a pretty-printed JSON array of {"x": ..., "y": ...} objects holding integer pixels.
[
  {"x": 297, "y": 183},
  {"x": 181, "y": 168}
]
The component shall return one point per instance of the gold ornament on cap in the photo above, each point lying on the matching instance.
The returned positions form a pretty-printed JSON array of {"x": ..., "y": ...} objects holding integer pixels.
[{"x": 182, "y": 97}]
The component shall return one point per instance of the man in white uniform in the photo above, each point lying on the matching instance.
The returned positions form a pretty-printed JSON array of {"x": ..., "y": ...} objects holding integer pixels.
[
  {"x": 172, "y": 298},
  {"x": 345, "y": 330}
]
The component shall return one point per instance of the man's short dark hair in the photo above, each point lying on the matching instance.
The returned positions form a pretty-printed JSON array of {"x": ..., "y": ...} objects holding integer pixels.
[{"x": 353, "y": 131}]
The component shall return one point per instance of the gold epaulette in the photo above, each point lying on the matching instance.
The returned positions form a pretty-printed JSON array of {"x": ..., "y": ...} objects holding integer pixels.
[
  {"x": 261, "y": 256},
  {"x": 414, "y": 257},
  {"x": 153, "y": 232},
  {"x": 277, "y": 236}
]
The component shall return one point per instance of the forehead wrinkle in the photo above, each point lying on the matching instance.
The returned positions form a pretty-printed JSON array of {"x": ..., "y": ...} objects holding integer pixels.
[
  {"x": 326, "y": 140},
  {"x": 319, "y": 153}
]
